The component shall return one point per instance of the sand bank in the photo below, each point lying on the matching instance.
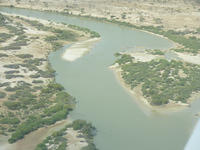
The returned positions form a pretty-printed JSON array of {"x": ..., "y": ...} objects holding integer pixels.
[{"x": 79, "y": 49}]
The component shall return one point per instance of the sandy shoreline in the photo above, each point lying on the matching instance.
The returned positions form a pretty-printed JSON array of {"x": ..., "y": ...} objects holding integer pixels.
[
  {"x": 138, "y": 97},
  {"x": 79, "y": 49}
]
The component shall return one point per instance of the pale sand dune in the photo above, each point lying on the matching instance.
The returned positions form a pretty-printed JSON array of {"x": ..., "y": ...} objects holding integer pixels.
[{"x": 79, "y": 49}]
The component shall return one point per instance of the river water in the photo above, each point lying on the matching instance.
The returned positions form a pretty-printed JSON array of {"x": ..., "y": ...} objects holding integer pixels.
[{"x": 122, "y": 124}]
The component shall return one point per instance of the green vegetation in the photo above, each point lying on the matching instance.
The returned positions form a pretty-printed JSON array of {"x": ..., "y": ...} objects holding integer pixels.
[
  {"x": 11, "y": 47},
  {"x": 32, "y": 64},
  {"x": 65, "y": 34},
  {"x": 11, "y": 76},
  {"x": 4, "y": 37},
  {"x": 3, "y": 55},
  {"x": 198, "y": 30},
  {"x": 12, "y": 105},
  {"x": 2, "y": 19},
  {"x": 22, "y": 95},
  {"x": 11, "y": 120},
  {"x": 191, "y": 44},
  {"x": 161, "y": 80},
  {"x": 90, "y": 146},
  {"x": 11, "y": 72},
  {"x": 86, "y": 128},
  {"x": 86, "y": 30},
  {"x": 56, "y": 140},
  {"x": 21, "y": 85},
  {"x": 123, "y": 15},
  {"x": 59, "y": 34},
  {"x": 36, "y": 24},
  {"x": 22, "y": 40},
  {"x": 37, "y": 81},
  {"x": 18, "y": 31},
  {"x": 56, "y": 45},
  {"x": 156, "y": 52},
  {"x": 4, "y": 84},
  {"x": 12, "y": 66},
  {"x": 59, "y": 142},
  {"x": 32, "y": 106},
  {"x": 54, "y": 104},
  {"x": 24, "y": 56},
  {"x": 2, "y": 95}
]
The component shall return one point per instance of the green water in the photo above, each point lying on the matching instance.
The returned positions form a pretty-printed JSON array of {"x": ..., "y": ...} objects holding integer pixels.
[{"x": 121, "y": 123}]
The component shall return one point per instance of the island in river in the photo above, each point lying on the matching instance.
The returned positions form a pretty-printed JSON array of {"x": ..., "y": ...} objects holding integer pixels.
[
  {"x": 30, "y": 97},
  {"x": 156, "y": 81}
]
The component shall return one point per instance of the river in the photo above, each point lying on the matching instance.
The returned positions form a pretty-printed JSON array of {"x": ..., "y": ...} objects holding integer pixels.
[{"x": 122, "y": 124}]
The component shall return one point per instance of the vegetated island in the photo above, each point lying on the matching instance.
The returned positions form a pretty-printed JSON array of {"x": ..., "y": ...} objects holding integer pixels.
[
  {"x": 157, "y": 81},
  {"x": 29, "y": 96}
]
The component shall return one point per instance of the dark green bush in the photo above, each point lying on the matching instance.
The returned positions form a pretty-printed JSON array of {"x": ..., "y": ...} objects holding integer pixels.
[
  {"x": 12, "y": 105},
  {"x": 3, "y": 55},
  {"x": 2, "y": 95},
  {"x": 37, "y": 81},
  {"x": 11, "y": 72},
  {"x": 9, "y": 121},
  {"x": 11, "y": 76},
  {"x": 23, "y": 56},
  {"x": 160, "y": 79},
  {"x": 12, "y": 66}
]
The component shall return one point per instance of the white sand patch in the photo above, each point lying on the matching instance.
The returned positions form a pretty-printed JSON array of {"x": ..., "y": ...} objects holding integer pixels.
[
  {"x": 79, "y": 49},
  {"x": 195, "y": 59},
  {"x": 143, "y": 57}
]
